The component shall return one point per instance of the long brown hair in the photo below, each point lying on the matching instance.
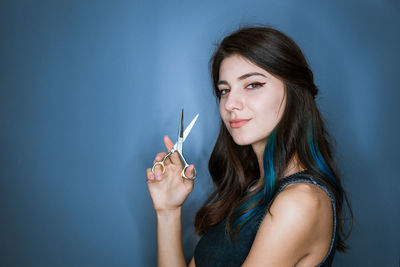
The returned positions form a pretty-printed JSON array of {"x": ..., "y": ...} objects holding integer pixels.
[{"x": 300, "y": 132}]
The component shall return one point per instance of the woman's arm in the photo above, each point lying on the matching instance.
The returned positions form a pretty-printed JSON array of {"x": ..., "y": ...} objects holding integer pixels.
[
  {"x": 297, "y": 230},
  {"x": 168, "y": 191},
  {"x": 170, "y": 251},
  {"x": 192, "y": 264}
]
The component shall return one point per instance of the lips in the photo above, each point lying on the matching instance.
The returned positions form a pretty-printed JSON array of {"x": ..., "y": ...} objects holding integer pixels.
[{"x": 237, "y": 123}]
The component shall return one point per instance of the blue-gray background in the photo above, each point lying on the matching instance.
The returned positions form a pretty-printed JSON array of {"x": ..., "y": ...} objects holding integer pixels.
[{"x": 89, "y": 88}]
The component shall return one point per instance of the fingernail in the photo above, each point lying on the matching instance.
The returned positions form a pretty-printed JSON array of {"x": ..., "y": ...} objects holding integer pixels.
[
  {"x": 158, "y": 176},
  {"x": 151, "y": 176}
]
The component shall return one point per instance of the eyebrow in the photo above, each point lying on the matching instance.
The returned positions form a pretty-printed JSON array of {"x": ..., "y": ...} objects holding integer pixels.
[{"x": 244, "y": 76}]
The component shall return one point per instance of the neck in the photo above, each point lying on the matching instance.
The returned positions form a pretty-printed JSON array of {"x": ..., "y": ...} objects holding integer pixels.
[
  {"x": 258, "y": 149},
  {"x": 293, "y": 165}
]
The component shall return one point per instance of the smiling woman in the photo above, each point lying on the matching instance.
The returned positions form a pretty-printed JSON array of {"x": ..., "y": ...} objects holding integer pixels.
[
  {"x": 251, "y": 101},
  {"x": 278, "y": 197}
]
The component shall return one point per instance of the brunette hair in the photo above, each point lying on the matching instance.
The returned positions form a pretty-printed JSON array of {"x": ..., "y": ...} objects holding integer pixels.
[{"x": 300, "y": 132}]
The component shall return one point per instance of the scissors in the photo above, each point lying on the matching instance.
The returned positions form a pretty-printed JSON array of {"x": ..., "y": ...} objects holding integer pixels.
[{"x": 178, "y": 147}]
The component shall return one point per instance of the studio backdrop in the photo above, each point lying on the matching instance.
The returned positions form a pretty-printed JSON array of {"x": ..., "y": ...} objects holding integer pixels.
[{"x": 89, "y": 88}]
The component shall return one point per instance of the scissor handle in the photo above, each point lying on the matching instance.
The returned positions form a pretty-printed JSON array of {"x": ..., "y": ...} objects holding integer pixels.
[
  {"x": 158, "y": 163},
  {"x": 161, "y": 163},
  {"x": 185, "y": 177},
  {"x": 184, "y": 168}
]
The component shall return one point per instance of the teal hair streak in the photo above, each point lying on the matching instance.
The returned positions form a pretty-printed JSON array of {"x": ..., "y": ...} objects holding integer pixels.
[
  {"x": 264, "y": 195},
  {"x": 323, "y": 168},
  {"x": 269, "y": 169},
  {"x": 249, "y": 214}
]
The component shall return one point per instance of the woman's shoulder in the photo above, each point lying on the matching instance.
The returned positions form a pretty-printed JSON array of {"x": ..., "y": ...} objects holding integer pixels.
[
  {"x": 303, "y": 193},
  {"x": 300, "y": 198},
  {"x": 309, "y": 193},
  {"x": 299, "y": 222},
  {"x": 304, "y": 184}
]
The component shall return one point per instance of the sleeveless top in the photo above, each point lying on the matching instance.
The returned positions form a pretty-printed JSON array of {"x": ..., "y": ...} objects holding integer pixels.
[{"x": 215, "y": 249}]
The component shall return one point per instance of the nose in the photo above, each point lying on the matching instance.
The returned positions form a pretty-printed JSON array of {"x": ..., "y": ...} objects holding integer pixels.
[{"x": 234, "y": 100}]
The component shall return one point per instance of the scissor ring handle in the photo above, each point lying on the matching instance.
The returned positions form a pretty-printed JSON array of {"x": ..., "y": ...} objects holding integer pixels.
[
  {"x": 158, "y": 163},
  {"x": 185, "y": 177},
  {"x": 162, "y": 162}
]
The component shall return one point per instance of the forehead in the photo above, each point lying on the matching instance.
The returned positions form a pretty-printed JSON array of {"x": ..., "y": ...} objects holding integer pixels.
[{"x": 235, "y": 66}]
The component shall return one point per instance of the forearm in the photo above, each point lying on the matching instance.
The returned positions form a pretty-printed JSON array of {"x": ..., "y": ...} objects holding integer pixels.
[{"x": 169, "y": 239}]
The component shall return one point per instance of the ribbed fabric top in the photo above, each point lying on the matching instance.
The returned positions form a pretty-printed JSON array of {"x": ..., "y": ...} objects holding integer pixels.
[{"x": 214, "y": 248}]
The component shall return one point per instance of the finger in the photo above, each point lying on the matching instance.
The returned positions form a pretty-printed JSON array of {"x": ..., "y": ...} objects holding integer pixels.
[
  {"x": 158, "y": 170},
  {"x": 189, "y": 172},
  {"x": 159, "y": 157},
  {"x": 169, "y": 145},
  {"x": 149, "y": 174}
]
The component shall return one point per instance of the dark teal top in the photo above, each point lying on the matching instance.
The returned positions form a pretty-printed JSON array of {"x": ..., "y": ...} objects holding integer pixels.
[{"x": 214, "y": 249}]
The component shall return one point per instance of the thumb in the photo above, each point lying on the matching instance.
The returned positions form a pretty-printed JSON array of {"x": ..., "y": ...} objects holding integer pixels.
[{"x": 189, "y": 172}]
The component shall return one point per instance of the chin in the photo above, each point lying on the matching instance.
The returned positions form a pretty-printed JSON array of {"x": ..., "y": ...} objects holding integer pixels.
[{"x": 240, "y": 141}]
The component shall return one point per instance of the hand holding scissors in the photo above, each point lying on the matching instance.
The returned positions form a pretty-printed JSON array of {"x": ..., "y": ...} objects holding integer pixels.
[{"x": 178, "y": 148}]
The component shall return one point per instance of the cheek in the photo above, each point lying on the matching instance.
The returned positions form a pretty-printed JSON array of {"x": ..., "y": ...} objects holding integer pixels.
[
  {"x": 265, "y": 104},
  {"x": 222, "y": 110},
  {"x": 269, "y": 107},
  {"x": 223, "y": 113}
]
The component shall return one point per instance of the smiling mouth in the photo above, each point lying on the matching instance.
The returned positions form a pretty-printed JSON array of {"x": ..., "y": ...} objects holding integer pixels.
[{"x": 238, "y": 123}]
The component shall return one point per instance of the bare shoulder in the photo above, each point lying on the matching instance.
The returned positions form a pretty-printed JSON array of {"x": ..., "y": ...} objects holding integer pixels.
[
  {"x": 302, "y": 197},
  {"x": 297, "y": 229},
  {"x": 304, "y": 203}
]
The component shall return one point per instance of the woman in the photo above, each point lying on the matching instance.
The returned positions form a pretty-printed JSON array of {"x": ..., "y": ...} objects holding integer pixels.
[{"x": 278, "y": 198}]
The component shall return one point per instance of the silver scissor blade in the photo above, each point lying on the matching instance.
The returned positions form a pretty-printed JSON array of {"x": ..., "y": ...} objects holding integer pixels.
[
  {"x": 189, "y": 128},
  {"x": 181, "y": 126},
  {"x": 187, "y": 131}
]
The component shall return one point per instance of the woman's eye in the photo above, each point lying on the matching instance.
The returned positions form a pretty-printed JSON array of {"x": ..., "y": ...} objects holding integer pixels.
[
  {"x": 223, "y": 92},
  {"x": 255, "y": 85}
]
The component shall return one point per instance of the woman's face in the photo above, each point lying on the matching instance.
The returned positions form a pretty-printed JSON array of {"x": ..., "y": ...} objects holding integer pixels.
[{"x": 252, "y": 100}]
